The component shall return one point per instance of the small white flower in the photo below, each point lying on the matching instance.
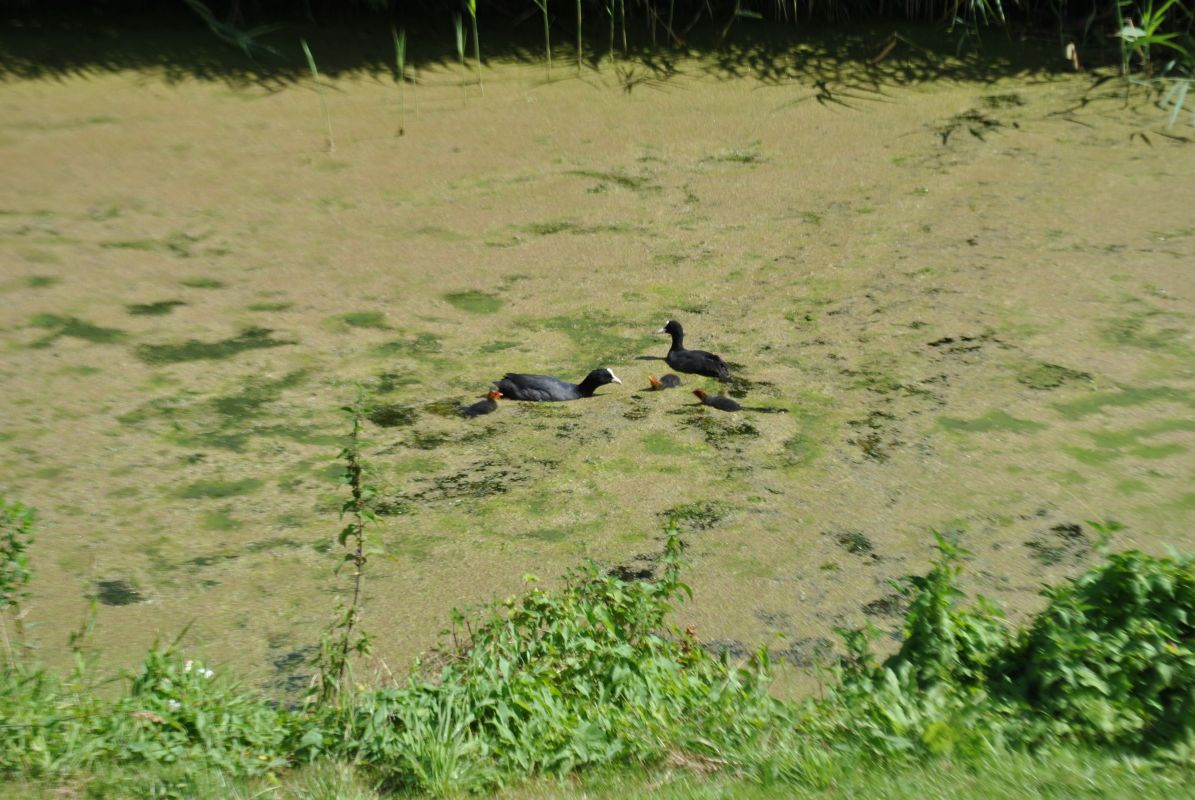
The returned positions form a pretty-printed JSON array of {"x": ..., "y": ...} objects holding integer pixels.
[
  {"x": 173, "y": 705},
  {"x": 207, "y": 673},
  {"x": 187, "y": 666}
]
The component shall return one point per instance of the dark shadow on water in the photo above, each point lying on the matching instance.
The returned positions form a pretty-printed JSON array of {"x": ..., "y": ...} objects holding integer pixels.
[{"x": 839, "y": 65}]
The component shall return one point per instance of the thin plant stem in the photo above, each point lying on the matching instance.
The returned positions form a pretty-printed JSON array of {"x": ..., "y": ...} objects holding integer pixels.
[
  {"x": 476, "y": 43},
  {"x": 610, "y": 10},
  {"x": 543, "y": 6},
  {"x": 460, "y": 52},
  {"x": 400, "y": 61},
  {"x": 622, "y": 4},
  {"x": 319, "y": 87}
]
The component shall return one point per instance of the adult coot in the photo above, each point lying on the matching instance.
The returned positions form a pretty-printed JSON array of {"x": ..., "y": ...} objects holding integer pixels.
[
  {"x": 720, "y": 402},
  {"x": 697, "y": 362},
  {"x": 485, "y": 406},
  {"x": 666, "y": 382},
  {"x": 542, "y": 388}
]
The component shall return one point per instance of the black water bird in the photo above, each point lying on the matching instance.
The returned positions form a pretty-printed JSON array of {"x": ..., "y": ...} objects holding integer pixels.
[
  {"x": 488, "y": 405},
  {"x": 665, "y": 382},
  {"x": 718, "y": 401},
  {"x": 544, "y": 388},
  {"x": 696, "y": 362}
]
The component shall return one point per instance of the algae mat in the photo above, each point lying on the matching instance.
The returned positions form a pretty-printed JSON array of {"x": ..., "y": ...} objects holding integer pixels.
[{"x": 974, "y": 301}]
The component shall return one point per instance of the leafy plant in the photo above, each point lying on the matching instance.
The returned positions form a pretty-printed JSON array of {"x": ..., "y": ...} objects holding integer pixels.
[
  {"x": 1112, "y": 658},
  {"x": 16, "y": 537},
  {"x": 246, "y": 40},
  {"x": 345, "y": 637},
  {"x": 1139, "y": 39}
]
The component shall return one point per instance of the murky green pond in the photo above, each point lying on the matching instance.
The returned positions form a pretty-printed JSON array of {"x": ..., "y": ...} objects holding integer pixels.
[{"x": 974, "y": 300}]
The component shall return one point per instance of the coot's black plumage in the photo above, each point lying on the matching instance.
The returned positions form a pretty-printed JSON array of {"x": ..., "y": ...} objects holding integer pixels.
[
  {"x": 485, "y": 406},
  {"x": 696, "y": 362},
  {"x": 666, "y": 382},
  {"x": 720, "y": 402},
  {"x": 544, "y": 388}
]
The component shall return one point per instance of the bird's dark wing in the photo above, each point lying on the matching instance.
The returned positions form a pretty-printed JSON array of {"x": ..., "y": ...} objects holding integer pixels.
[{"x": 539, "y": 388}]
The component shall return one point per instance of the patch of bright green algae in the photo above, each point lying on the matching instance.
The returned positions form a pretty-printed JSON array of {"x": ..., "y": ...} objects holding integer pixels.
[
  {"x": 1132, "y": 396},
  {"x": 474, "y": 302},
  {"x": 595, "y": 341},
  {"x": 74, "y": 328},
  {"x": 1045, "y": 376},
  {"x": 253, "y": 338},
  {"x": 1136, "y": 330},
  {"x": 992, "y": 422},
  {"x": 218, "y": 521},
  {"x": 1111, "y": 445},
  {"x": 417, "y": 345},
  {"x": 217, "y": 488},
  {"x": 157, "y": 309},
  {"x": 661, "y": 444},
  {"x": 360, "y": 319}
]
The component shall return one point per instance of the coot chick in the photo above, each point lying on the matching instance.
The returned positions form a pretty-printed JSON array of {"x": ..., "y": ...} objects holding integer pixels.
[
  {"x": 543, "y": 388},
  {"x": 667, "y": 382},
  {"x": 696, "y": 362},
  {"x": 486, "y": 406},
  {"x": 718, "y": 401}
]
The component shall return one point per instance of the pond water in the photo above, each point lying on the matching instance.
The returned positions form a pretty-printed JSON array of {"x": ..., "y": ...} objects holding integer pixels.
[{"x": 974, "y": 299}]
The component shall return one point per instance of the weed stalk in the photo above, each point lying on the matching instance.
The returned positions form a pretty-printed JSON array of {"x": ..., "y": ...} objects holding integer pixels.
[
  {"x": 320, "y": 88},
  {"x": 400, "y": 61},
  {"x": 543, "y": 6},
  {"x": 459, "y": 26},
  {"x": 346, "y": 636},
  {"x": 476, "y": 43}
]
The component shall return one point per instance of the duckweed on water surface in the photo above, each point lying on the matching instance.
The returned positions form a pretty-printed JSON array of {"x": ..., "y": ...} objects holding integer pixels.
[
  {"x": 252, "y": 338},
  {"x": 214, "y": 488},
  {"x": 74, "y": 328},
  {"x": 157, "y": 309},
  {"x": 475, "y": 302}
]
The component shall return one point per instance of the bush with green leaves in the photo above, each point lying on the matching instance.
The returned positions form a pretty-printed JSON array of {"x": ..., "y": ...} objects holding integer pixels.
[
  {"x": 16, "y": 536},
  {"x": 174, "y": 712},
  {"x": 553, "y": 681},
  {"x": 1112, "y": 658},
  {"x": 1109, "y": 662}
]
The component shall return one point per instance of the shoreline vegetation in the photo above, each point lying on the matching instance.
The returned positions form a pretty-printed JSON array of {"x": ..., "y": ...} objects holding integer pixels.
[{"x": 590, "y": 679}]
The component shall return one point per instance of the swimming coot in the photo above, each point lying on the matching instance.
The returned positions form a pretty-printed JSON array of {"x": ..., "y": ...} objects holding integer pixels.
[
  {"x": 486, "y": 406},
  {"x": 697, "y": 362},
  {"x": 666, "y": 382},
  {"x": 720, "y": 402},
  {"x": 543, "y": 388}
]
